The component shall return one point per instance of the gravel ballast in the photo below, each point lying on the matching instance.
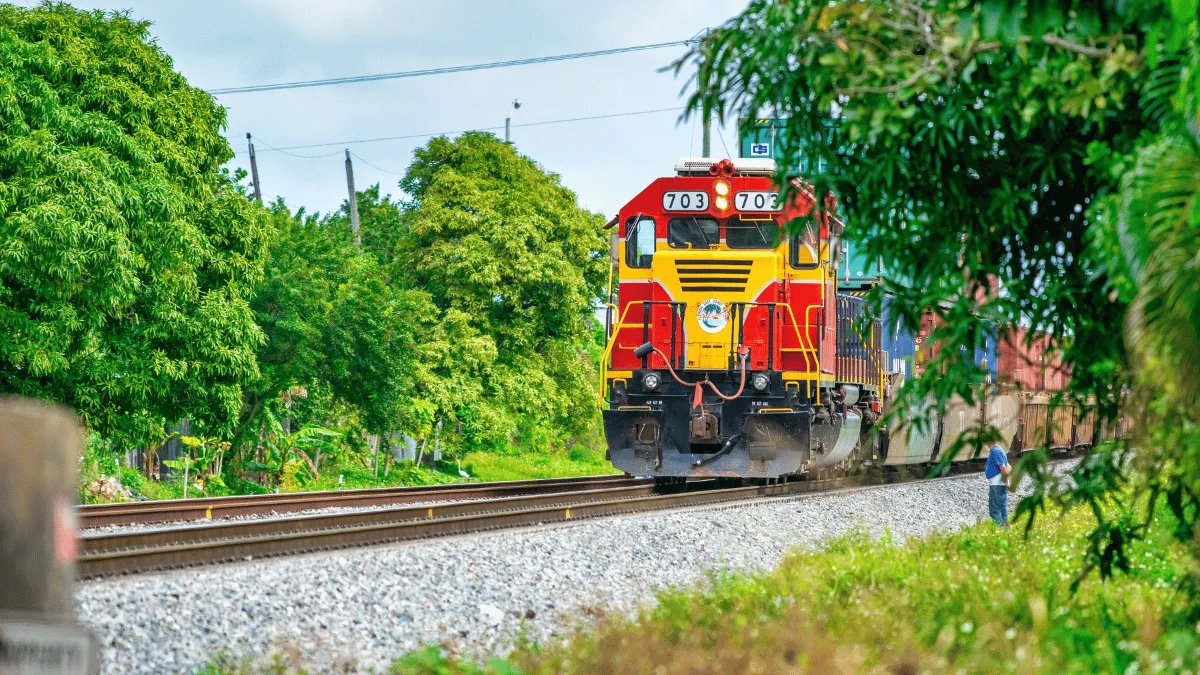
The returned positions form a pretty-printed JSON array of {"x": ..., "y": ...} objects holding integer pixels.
[{"x": 361, "y": 608}]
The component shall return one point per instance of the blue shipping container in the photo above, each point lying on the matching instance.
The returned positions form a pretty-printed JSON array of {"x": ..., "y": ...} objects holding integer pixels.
[
  {"x": 986, "y": 356},
  {"x": 897, "y": 341}
]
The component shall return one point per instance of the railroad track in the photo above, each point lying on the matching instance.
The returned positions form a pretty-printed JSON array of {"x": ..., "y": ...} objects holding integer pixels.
[
  {"x": 179, "y": 510},
  {"x": 525, "y": 503},
  {"x": 159, "y": 549}
]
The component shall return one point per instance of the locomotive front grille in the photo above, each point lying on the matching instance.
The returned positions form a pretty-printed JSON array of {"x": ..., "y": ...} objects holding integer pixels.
[{"x": 713, "y": 276}]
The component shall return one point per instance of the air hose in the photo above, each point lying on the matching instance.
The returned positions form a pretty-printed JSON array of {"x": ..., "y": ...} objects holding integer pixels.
[{"x": 743, "y": 356}]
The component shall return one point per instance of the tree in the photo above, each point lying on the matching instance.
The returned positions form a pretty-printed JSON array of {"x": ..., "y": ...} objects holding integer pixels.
[
  {"x": 334, "y": 321},
  {"x": 513, "y": 266},
  {"x": 1013, "y": 163},
  {"x": 126, "y": 254}
]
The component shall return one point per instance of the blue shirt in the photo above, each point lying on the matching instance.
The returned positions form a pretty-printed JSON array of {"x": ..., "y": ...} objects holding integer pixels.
[{"x": 996, "y": 459}]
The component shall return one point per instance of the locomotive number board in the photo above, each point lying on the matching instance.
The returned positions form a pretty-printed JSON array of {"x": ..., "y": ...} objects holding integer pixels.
[
  {"x": 757, "y": 201},
  {"x": 688, "y": 200}
]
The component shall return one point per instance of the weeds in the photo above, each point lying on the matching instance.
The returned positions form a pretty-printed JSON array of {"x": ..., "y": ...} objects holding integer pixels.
[{"x": 979, "y": 600}]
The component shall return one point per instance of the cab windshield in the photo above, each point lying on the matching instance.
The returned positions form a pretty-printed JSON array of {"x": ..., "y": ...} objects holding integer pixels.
[
  {"x": 693, "y": 232},
  {"x": 744, "y": 233}
]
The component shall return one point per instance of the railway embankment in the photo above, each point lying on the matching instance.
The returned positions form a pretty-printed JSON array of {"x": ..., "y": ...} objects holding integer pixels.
[{"x": 476, "y": 594}]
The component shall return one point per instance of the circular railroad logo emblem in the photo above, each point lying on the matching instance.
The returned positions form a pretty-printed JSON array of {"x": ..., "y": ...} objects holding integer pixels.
[{"x": 712, "y": 315}]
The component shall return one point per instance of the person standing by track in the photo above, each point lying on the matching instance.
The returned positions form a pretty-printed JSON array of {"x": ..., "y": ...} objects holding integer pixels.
[{"x": 996, "y": 473}]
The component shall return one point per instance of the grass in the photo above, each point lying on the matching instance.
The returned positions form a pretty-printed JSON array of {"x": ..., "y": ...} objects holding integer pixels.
[
  {"x": 482, "y": 466},
  {"x": 980, "y": 600},
  {"x": 576, "y": 462}
]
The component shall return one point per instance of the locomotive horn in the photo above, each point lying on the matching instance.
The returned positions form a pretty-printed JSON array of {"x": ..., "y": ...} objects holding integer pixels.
[
  {"x": 714, "y": 169},
  {"x": 726, "y": 168}
]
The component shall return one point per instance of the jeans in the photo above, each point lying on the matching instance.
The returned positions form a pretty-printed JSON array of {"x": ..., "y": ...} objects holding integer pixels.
[{"x": 998, "y": 504}]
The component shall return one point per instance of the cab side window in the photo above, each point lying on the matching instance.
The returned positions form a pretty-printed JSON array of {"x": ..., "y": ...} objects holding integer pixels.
[
  {"x": 805, "y": 250},
  {"x": 639, "y": 241}
]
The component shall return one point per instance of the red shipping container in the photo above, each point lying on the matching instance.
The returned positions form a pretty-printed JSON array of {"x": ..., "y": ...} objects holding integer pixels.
[{"x": 1026, "y": 363}]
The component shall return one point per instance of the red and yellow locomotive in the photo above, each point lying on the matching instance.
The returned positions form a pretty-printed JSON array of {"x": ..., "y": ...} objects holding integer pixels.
[{"x": 730, "y": 351}]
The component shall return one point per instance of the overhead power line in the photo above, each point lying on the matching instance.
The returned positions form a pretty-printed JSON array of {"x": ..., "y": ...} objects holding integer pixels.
[
  {"x": 443, "y": 71},
  {"x": 286, "y": 148}
]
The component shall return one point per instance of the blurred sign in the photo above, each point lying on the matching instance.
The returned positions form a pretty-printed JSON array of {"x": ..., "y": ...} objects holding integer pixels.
[
  {"x": 758, "y": 138},
  {"x": 46, "y": 649}
]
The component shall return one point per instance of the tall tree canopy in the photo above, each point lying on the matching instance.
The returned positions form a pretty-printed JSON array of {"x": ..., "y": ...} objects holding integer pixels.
[
  {"x": 514, "y": 266},
  {"x": 1051, "y": 147},
  {"x": 126, "y": 255}
]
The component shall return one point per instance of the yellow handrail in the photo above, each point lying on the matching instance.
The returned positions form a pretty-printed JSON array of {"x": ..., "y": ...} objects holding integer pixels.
[
  {"x": 806, "y": 345},
  {"x": 608, "y": 348},
  {"x": 802, "y": 339}
]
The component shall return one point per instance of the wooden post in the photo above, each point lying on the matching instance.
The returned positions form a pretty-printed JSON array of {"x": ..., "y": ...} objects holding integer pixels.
[
  {"x": 39, "y": 450},
  {"x": 353, "y": 200},
  {"x": 254, "y": 170},
  {"x": 40, "y": 445}
]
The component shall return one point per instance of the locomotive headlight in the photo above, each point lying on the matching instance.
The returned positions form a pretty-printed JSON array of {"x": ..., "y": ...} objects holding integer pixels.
[
  {"x": 722, "y": 188},
  {"x": 651, "y": 381},
  {"x": 722, "y": 203},
  {"x": 760, "y": 382}
]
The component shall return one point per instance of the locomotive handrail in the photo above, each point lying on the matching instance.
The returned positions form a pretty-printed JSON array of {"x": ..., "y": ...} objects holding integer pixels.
[
  {"x": 801, "y": 340},
  {"x": 809, "y": 361},
  {"x": 644, "y": 325},
  {"x": 608, "y": 348}
]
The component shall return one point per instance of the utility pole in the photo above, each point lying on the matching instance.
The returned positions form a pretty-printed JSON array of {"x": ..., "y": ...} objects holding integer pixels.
[
  {"x": 706, "y": 143},
  {"x": 254, "y": 169},
  {"x": 353, "y": 200},
  {"x": 516, "y": 104}
]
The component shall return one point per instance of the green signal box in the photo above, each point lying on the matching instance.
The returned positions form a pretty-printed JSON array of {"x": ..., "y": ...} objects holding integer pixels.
[
  {"x": 763, "y": 137},
  {"x": 759, "y": 138}
]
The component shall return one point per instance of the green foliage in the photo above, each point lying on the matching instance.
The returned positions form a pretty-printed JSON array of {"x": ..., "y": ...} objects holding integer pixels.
[
  {"x": 126, "y": 254},
  {"x": 139, "y": 285},
  {"x": 980, "y": 600},
  {"x": 334, "y": 323},
  {"x": 514, "y": 266},
  {"x": 494, "y": 466},
  {"x": 431, "y": 661},
  {"x": 102, "y": 478},
  {"x": 1013, "y": 164},
  {"x": 291, "y": 459}
]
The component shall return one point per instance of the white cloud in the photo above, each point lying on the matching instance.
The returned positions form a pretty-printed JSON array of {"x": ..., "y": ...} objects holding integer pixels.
[{"x": 325, "y": 21}]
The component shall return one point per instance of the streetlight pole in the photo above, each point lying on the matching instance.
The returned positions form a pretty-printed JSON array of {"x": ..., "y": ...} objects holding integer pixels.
[{"x": 508, "y": 120}]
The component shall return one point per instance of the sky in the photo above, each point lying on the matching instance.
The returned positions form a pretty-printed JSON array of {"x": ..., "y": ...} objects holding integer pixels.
[{"x": 230, "y": 43}]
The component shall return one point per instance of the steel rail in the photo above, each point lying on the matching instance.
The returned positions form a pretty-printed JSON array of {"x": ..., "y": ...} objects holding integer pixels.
[
  {"x": 198, "y": 508},
  {"x": 101, "y": 556},
  {"x": 167, "y": 548},
  {"x": 322, "y": 521}
]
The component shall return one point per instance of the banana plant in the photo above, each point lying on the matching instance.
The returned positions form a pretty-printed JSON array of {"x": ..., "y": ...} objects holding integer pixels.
[
  {"x": 203, "y": 455},
  {"x": 277, "y": 447}
]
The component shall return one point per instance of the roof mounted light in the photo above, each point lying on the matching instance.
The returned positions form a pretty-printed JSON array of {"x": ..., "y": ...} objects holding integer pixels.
[{"x": 742, "y": 166}]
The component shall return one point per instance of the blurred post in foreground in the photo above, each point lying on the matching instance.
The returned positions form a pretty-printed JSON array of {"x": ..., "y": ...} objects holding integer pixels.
[{"x": 40, "y": 446}]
